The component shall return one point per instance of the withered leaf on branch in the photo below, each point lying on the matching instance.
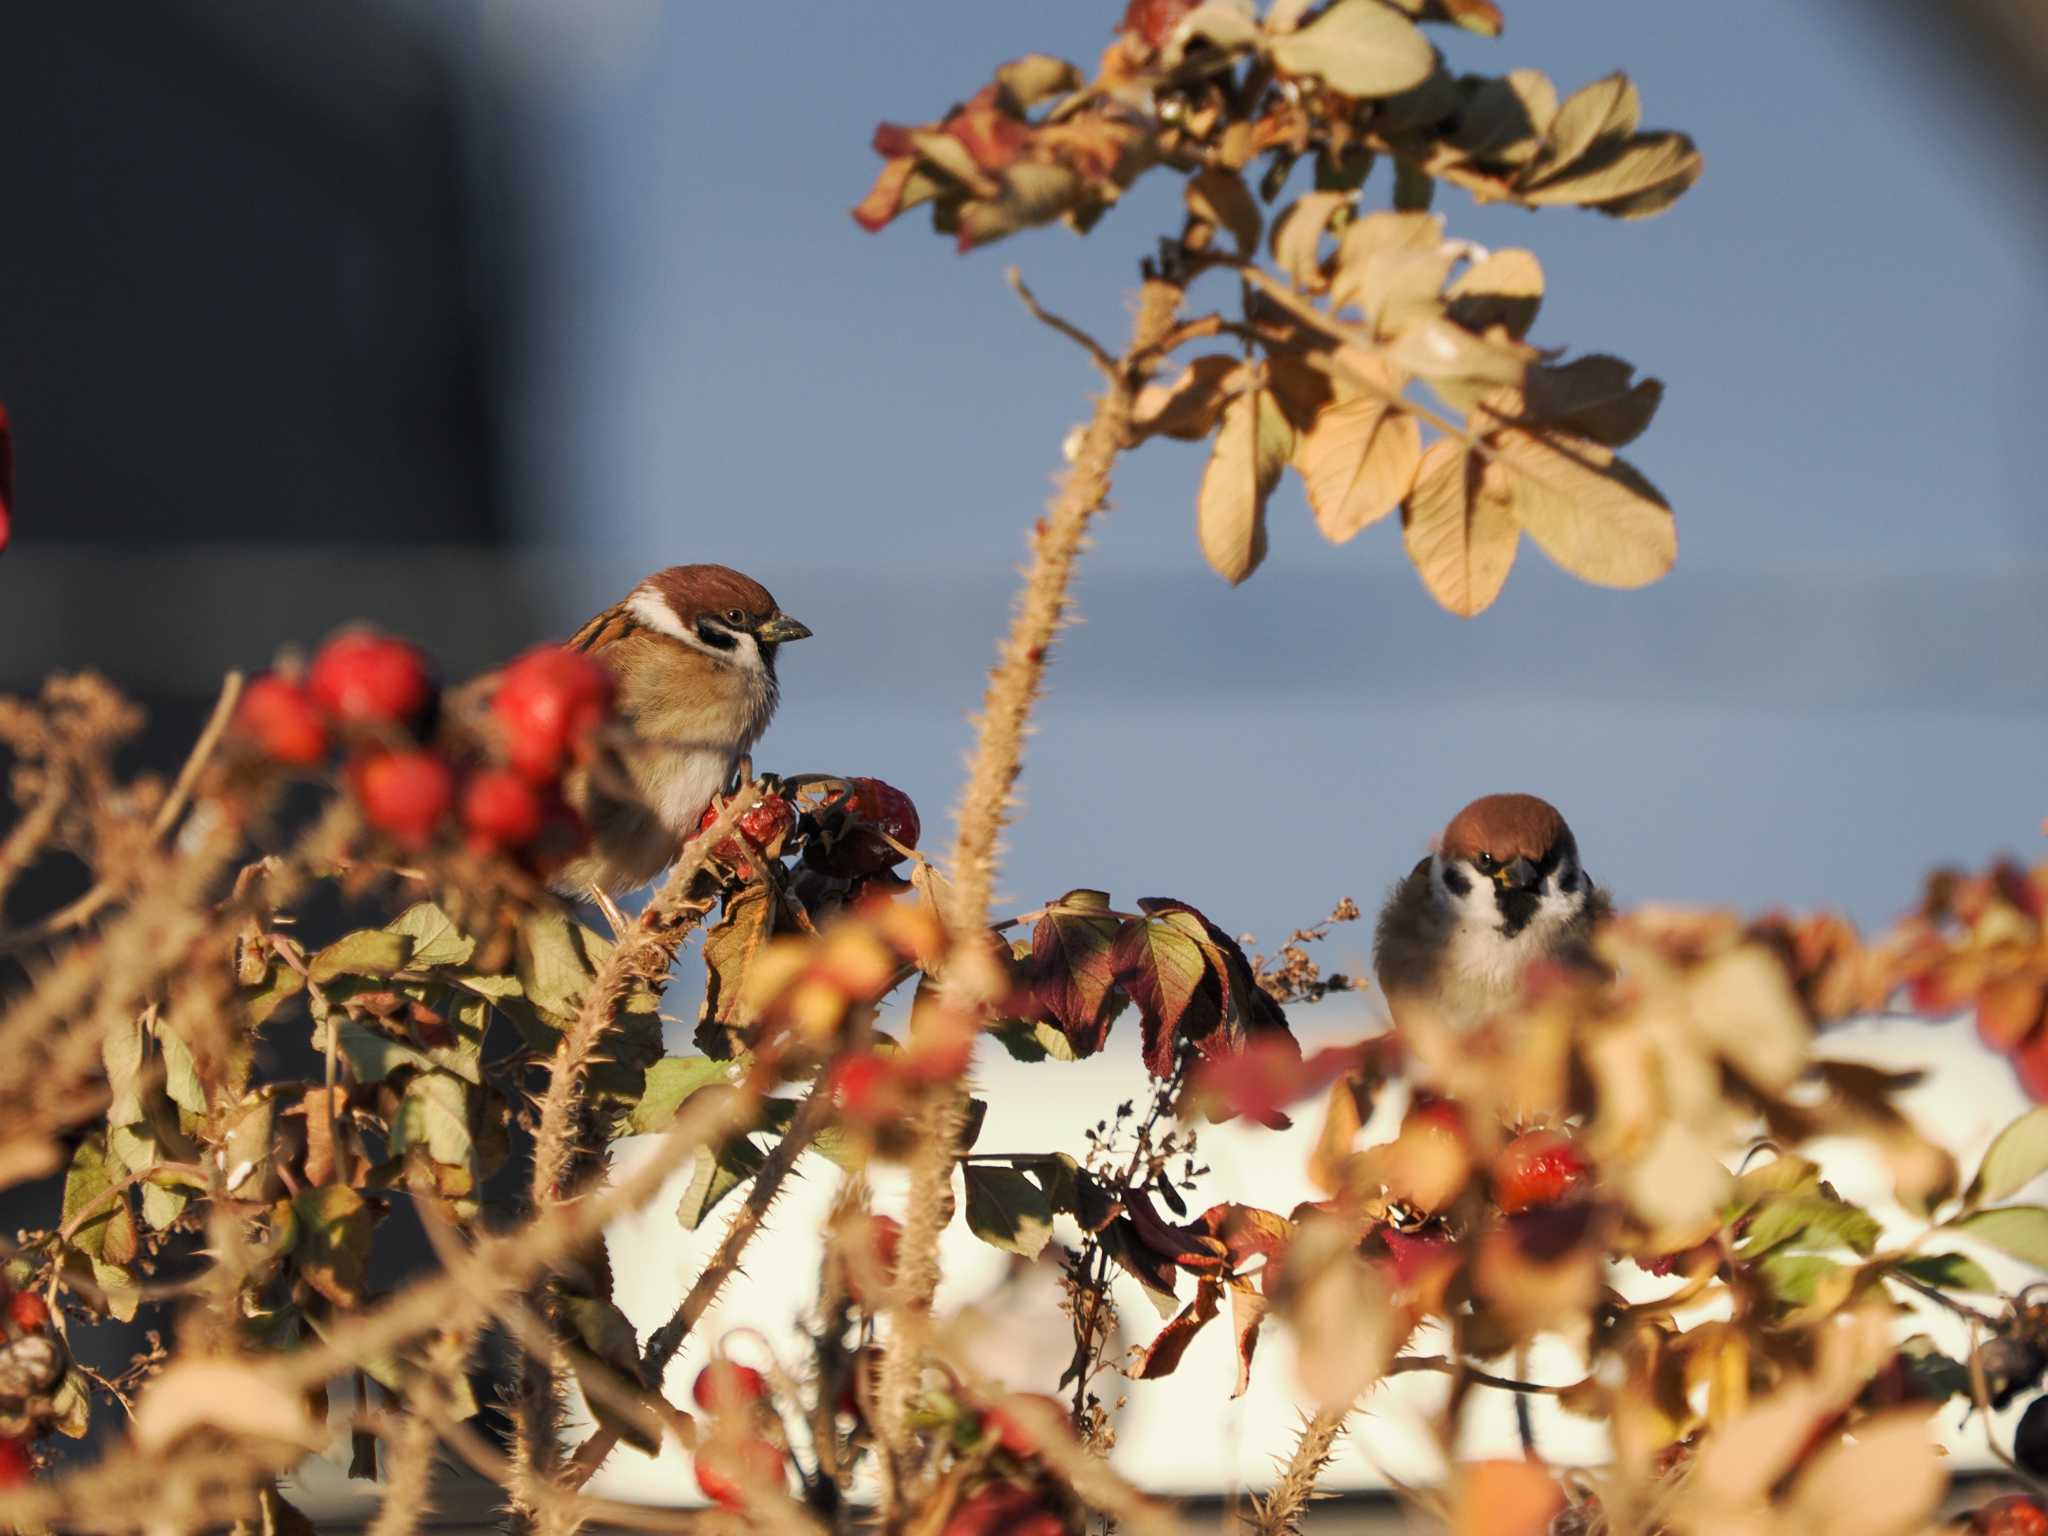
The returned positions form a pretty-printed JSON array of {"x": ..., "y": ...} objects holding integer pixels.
[
  {"x": 1190, "y": 406},
  {"x": 1163, "y": 1355},
  {"x": 1298, "y": 236},
  {"x": 1190, "y": 981},
  {"x": 1220, "y": 197},
  {"x": 1458, "y": 529},
  {"x": 1595, "y": 396},
  {"x": 730, "y": 946},
  {"x": 332, "y": 1253},
  {"x": 1252, "y": 447}
]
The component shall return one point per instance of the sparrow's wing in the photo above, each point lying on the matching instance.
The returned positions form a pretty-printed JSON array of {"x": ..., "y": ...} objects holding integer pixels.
[
  {"x": 614, "y": 624},
  {"x": 1407, "y": 941}
]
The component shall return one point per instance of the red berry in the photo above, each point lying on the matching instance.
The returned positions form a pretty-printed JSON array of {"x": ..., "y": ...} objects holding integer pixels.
[
  {"x": 1004, "y": 1509},
  {"x": 864, "y": 1088},
  {"x": 404, "y": 794},
  {"x": 281, "y": 720},
  {"x": 726, "y": 1470},
  {"x": 17, "y": 1465},
  {"x": 365, "y": 678},
  {"x": 874, "y": 807},
  {"x": 885, "y": 1240},
  {"x": 28, "y": 1312},
  {"x": 547, "y": 704},
  {"x": 1011, "y": 1434},
  {"x": 1430, "y": 1109},
  {"x": 762, "y": 823},
  {"x": 1537, "y": 1168},
  {"x": 502, "y": 811},
  {"x": 724, "y": 1386},
  {"x": 2013, "y": 1515}
]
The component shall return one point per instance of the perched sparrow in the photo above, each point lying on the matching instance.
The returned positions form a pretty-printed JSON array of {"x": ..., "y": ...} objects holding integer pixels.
[
  {"x": 1503, "y": 888},
  {"x": 693, "y": 648}
]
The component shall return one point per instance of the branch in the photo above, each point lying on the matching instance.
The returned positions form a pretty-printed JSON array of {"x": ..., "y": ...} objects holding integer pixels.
[
  {"x": 1013, "y": 690},
  {"x": 1279, "y": 1512},
  {"x": 664, "y": 1343},
  {"x": 1066, "y": 328}
]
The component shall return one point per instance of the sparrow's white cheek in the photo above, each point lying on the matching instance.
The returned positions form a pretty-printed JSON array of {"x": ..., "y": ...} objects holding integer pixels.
[{"x": 652, "y": 609}]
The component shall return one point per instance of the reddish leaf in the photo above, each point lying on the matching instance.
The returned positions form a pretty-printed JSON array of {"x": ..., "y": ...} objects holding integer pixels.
[
  {"x": 1248, "y": 1232},
  {"x": 1162, "y": 1356},
  {"x": 1190, "y": 1246},
  {"x": 1154, "y": 1271},
  {"x": 1073, "y": 977}
]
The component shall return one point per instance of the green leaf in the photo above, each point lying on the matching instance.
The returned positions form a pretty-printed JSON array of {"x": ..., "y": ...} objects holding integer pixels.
[
  {"x": 372, "y": 1056},
  {"x": 332, "y": 1251},
  {"x": 716, "y": 1177},
  {"x": 1948, "y": 1272},
  {"x": 670, "y": 1081},
  {"x": 603, "y": 1342},
  {"x": 1794, "y": 1278},
  {"x": 280, "y": 984},
  {"x": 435, "y": 938},
  {"x": 109, "y": 1232},
  {"x": 1809, "y": 1221},
  {"x": 181, "y": 1072},
  {"x": 2018, "y": 1230},
  {"x": 553, "y": 964},
  {"x": 1006, "y": 1210},
  {"x": 2017, "y": 1156},
  {"x": 729, "y": 949},
  {"x": 369, "y": 952},
  {"x": 71, "y": 1405},
  {"x": 434, "y": 1114},
  {"x": 121, "y": 1051},
  {"x": 1359, "y": 47},
  {"x": 134, "y": 1148}
]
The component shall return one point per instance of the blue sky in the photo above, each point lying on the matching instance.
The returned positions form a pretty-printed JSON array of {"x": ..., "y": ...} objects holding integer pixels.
[{"x": 1837, "y": 687}]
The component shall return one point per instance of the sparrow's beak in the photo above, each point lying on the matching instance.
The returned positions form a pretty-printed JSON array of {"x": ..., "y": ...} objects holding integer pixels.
[
  {"x": 780, "y": 628},
  {"x": 1518, "y": 876}
]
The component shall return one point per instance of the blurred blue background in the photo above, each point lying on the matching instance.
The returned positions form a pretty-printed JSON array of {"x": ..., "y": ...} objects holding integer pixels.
[{"x": 551, "y": 294}]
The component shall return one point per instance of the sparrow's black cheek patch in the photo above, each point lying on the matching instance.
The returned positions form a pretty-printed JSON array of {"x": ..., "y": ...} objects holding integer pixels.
[
  {"x": 715, "y": 637},
  {"x": 1455, "y": 881}
]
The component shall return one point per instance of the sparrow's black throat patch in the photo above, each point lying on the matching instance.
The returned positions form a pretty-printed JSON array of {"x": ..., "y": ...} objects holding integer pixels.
[{"x": 1516, "y": 909}]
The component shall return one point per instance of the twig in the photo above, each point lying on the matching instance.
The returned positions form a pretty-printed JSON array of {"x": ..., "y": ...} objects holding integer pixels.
[
  {"x": 1472, "y": 1375},
  {"x": 1066, "y": 328},
  {"x": 106, "y": 891},
  {"x": 664, "y": 1343}
]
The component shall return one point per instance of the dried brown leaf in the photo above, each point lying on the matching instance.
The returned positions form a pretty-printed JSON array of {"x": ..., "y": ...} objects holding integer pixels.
[
  {"x": 1597, "y": 396},
  {"x": 1362, "y": 48},
  {"x": 1588, "y": 510},
  {"x": 1252, "y": 446},
  {"x": 1458, "y": 529},
  {"x": 1633, "y": 179}
]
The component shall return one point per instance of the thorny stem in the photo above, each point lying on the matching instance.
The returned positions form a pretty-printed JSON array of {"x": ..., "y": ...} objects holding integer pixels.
[
  {"x": 664, "y": 1343},
  {"x": 1279, "y": 1512},
  {"x": 1014, "y": 686}
]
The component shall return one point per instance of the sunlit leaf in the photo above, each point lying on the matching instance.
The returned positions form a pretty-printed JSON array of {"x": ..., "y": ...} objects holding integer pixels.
[
  {"x": 1458, "y": 529},
  {"x": 370, "y": 952},
  {"x": 1073, "y": 978},
  {"x": 1190, "y": 406},
  {"x": 1252, "y": 446},
  {"x": 333, "y": 1248},
  {"x": 2017, "y": 1156},
  {"x": 1359, "y": 47},
  {"x": 1221, "y": 198},
  {"x": 434, "y": 1115},
  {"x": 435, "y": 938},
  {"x": 1163, "y": 1355},
  {"x": 2018, "y": 1230},
  {"x": 715, "y": 1177},
  {"x": 1298, "y": 237},
  {"x": 1359, "y": 460},
  {"x": 1948, "y": 1272},
  {"x": 1586, "y": 509},
  {"x": 669, "y": 1082},
  {"x": 1607, "y": 109}
]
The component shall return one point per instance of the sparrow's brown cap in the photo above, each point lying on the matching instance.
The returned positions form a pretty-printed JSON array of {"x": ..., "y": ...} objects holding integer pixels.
[{"x": 1509, "y": 827}]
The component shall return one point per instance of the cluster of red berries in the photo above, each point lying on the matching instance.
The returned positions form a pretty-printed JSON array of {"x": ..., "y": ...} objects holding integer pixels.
[
  {"x": 858, "y": 838},
  {"x": 25, "y": 1313},
  {"x": 375, "y": 695},
  {"x": 736, "y": 1457},
  {"x": 763, "y": 825}
]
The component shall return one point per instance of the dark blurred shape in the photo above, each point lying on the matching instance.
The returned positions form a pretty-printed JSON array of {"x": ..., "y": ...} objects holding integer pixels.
[
  {"x": 238, "y": 295},
  {"x": 1999, "y": 52}
]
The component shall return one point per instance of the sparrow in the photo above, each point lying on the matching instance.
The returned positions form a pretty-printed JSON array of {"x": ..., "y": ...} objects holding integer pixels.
[
  {"x": 692, "y": 649},
  {"x": 1503, "y": 888}
]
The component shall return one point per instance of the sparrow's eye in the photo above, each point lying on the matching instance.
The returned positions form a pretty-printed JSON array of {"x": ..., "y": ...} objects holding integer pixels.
[
  {"x": 1485, "y": 863},
  {"x": 735, "y": 617}
]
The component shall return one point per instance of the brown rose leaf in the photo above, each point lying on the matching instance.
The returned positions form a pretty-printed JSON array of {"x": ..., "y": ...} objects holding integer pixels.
[
  {"x": 1458, "y": 529},
  {"x": 1252, "y": 446},
  {"x": 1588, "y": 510}
]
